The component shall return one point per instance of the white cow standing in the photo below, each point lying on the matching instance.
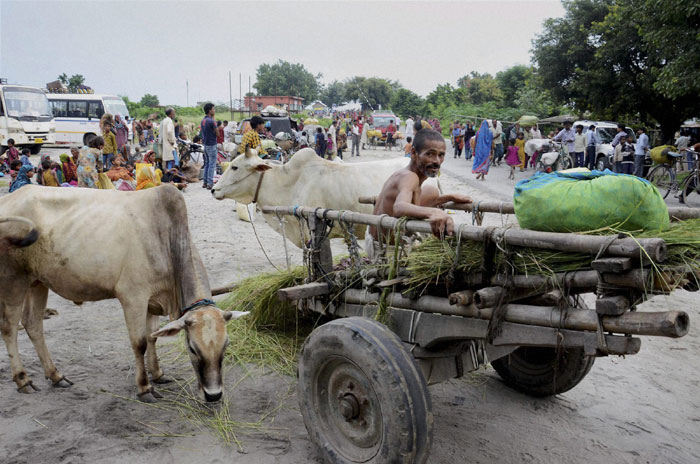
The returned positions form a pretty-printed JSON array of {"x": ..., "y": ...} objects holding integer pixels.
[
  {"x": 306, "y": 180},
  {"x": 91, "y": 245}
]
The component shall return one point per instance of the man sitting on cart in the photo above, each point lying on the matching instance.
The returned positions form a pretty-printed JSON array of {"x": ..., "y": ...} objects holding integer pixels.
[{"x": 402, "y": 194}]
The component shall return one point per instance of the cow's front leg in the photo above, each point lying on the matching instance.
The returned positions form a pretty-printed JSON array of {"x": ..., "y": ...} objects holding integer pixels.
[
  {"x": 136, "y": 324},
  {"x": 33, "y": 322},
  {"x": 151, "y": 355},
  {"x": 9, "y": 319}
]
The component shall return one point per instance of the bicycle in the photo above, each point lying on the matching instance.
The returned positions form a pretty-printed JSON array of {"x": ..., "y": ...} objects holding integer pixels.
[
  {"x": 554, "y": 161},
  {"x": 665, "y": 176}
]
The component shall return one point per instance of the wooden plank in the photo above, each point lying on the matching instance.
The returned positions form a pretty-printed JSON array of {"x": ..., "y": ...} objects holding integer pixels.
[
  {"x": 303, "y": 291},
  {"x": 612, "y": 305},
  {"x": 612, "y": 264}
]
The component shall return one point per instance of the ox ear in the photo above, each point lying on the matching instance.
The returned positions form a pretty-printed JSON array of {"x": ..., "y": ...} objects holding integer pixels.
[
  {"x": 228, "y": 315},
  {"x": 262, "y": 167},
  {"x": 170, "y": 329}
]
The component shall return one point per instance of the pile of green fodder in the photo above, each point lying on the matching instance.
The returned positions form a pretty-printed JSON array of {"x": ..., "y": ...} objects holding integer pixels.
[
  {"x": 272, "y": 334},
  {"x": 431, "y": 261}
]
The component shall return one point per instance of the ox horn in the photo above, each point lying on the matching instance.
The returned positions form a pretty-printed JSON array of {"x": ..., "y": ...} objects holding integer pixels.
[
  {"x": 250, "y": 153},
  {"x": 18, "y": 231}
]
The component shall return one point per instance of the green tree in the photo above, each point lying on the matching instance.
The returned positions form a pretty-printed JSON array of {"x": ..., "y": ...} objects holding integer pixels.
[
  {"x": 513, "y": 80},
  {"x": 149, "y": 100},
  {"x": 407, "y": 103},
  {"x": 63, "y": 78},
  {"x": 444, "y": 94},
  {"x": 596, "y": 58},
  {"x": 371, "y": 92},
  {"x": 333, "y": 93},
  {"x": 284, "y": 78},
  {"x": 479, "y": 88}
]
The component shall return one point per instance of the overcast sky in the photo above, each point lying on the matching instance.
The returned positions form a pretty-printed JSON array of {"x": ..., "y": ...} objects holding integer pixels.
[{"x": 142, "y": 47}]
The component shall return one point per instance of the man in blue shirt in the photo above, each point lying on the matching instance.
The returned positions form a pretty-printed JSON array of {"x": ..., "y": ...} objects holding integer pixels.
[
  {"x": 567, "y": 136},
  {"x": 207, "y": 130},
  {"x": 592, "y": 140},
  {"x": 640, "y": 151},
  {"x": 620, "y": 133}
]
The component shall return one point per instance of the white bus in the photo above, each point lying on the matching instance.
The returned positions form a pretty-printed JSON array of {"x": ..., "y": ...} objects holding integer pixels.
[
  {"x": 25, "y": 117},
  {"x": 77, "y": 115}
]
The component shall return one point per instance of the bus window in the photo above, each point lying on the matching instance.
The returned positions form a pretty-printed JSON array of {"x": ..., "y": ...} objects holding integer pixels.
[
  {"x": 60, "y": 108},
  {"x": 95, "y": 109},
  {"x": 77, "y": 109}
]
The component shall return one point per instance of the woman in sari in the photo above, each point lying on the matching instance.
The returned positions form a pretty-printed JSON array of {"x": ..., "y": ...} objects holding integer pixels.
[
  {"x": 147, "y": 178},
  {"x": 23, "y": 178},
  {"x": 482, "y": 151},
  {"x": 89, "y": 163},
  {"x": 69, "y": 169}
]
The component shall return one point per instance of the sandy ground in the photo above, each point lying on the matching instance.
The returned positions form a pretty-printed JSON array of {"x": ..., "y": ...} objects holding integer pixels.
[{"x": 641, "y": 409}]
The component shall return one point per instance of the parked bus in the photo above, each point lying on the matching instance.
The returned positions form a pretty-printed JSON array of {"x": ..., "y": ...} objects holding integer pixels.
[
  {"x": 78, "y": 115},
  {"x": 25, "y": 117}
]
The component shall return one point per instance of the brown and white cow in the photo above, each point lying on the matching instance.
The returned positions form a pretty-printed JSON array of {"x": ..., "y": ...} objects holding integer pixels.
[{"x": 90, "y": 245}]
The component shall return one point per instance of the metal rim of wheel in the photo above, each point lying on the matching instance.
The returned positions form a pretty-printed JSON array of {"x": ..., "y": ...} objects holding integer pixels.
[
  {"x": 691, "y": 197},
  {"x": 661, "y": 178},
  {"x": 362, "y": 396},
  {"x": 351, "y": 408}
]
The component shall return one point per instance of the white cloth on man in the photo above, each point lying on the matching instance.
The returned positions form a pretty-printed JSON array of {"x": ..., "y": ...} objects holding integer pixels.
[
  {"x": 331, "y": 136},
  {"x": 535, "y": 132},
  {"x": 496, "y": 131},
  {"x": 409, "y": 127},
  {"x": 229, "y": 131},
  {"x": 167, "y": 133}
]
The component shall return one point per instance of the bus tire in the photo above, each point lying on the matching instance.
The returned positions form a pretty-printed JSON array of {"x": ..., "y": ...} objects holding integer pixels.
[{"x": 35, "y": 149}]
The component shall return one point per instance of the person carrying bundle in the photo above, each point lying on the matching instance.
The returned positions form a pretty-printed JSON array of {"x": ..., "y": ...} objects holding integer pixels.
[{"x": 402, "y": 194}]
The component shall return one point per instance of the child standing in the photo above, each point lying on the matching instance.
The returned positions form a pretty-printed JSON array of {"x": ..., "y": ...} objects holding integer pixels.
[
  {"x": 408, "y": 147},
  {"x": 513, "y": 160},
  {"x": 12, "y": 152},
  {"x": 110, "y": 148},
  {"x": 617, "y": 157},
  {"x": 520, "y": 145}
]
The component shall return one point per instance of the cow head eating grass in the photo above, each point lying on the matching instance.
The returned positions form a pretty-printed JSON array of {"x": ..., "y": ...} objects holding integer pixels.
[{"x": 206, "y": 340}]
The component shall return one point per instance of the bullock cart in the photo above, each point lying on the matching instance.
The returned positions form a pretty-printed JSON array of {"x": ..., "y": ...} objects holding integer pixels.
[{"x": 363, "y": 376}]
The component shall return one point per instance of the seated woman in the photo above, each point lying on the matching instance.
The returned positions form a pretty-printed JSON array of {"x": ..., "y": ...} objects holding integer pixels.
[
  {"x": 174, "y": 176},
  {"x": 48, "y": 176},
  {"x": 148, "y": 178},
  {"x": 118, "y": 171},
  {"x": 23, "y": 177},
  {"x": 69, "y": 169}
]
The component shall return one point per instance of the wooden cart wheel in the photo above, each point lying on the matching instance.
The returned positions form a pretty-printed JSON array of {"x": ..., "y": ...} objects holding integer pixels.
[
  {"x": 540, "y": 372},
  {"x": 362, "y": 396}
]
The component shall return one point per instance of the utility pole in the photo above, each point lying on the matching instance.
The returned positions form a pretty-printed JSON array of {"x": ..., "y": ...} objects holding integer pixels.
[
  {"x": 187, "y": 84},
  {"x": 230, "y": 95}
]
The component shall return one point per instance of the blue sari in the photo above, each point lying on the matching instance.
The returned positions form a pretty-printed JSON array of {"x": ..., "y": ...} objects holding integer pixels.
[
  {"x": 22, "y": 178},
  {"x": 482, "y": 150}
]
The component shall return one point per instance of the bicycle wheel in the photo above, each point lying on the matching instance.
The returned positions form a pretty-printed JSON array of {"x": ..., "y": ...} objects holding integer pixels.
[
  {"x": 398, "y": 145},
  {"x": 663, "y": 179},
  {"x": 690, "y": 190}
]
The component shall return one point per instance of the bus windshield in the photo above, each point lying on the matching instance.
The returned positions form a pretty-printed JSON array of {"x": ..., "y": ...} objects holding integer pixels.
[
  {"x": 27, "y": 104},
  {"x": 115, "y": 106}
]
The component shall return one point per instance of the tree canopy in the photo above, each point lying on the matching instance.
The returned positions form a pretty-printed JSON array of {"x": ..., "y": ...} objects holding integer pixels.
[
  {"x": 285, "y": 78},
  {"x": 73, "y": 82},
  {"x": 333, "y": 93},
  {"x": 371, "y": 92},
  {"x": 149, "y": 100},
  {"x": 406, "y": 103},
  {"x": 597, "y": 59}
]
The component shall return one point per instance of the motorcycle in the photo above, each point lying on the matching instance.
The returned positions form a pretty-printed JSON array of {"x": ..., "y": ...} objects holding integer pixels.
[{"x": 554, "y": 160}]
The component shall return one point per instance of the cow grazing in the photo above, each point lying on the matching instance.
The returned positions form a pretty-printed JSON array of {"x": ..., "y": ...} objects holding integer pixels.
[
  {"x": 90, "y": 245},
  {"x": 306, "y": 180}
]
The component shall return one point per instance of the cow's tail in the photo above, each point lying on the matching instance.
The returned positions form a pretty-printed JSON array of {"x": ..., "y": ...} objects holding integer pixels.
[{"x": 17, "y": 232}]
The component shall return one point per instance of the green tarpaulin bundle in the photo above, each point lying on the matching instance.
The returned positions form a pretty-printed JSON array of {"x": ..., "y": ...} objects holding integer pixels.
[{"x": 589, "y": 200}]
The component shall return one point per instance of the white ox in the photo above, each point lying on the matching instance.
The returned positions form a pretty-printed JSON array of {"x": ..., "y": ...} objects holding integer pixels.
[
  {"x": 90, "y": 245},
  {"x": 540, "y": 145},
  {"x": 306, "y": 180}
]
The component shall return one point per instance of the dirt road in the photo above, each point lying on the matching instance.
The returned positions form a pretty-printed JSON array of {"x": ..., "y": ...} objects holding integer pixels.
[{"x": 644, "y": 408}]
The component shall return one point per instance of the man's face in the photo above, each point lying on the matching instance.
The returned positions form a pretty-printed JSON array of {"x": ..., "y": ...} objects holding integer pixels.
[
  {"x": 639, "y": 132},
  {"x": 430, "y": 158},
  {"x": 212, "y": 112},
  {"x": 567, "y": 126},
  {"x": 260, "y": 129}
]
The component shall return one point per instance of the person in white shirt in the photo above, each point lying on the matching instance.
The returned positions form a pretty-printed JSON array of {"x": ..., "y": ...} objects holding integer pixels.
[
  {"x": 409, "y": 127},
  {"x": 640, "y": 152},
  {"x": 229, "y": 130},
  {"x": 566, "y": 136},
  {"x": 592, "y": 141},
  {"x": 535, "y": 132},
  {"x": 331, "y": 135},
  {"x": 496, "y": 129},
  {"x": 579, "y": 145},
  {"x": 355, "y": 140}
]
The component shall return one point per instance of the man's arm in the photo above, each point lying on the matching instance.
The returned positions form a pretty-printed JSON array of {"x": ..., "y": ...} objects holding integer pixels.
[
  {"x": 442, "y": 199},
  {"x": 440, "y": 222}
]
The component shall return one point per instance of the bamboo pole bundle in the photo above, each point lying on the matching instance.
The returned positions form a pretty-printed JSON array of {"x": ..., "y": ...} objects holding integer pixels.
[
  {"x": 507, "y": 207},
  {"x": 672, "y": 324},
  {"x": 655, "y": 249}
]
